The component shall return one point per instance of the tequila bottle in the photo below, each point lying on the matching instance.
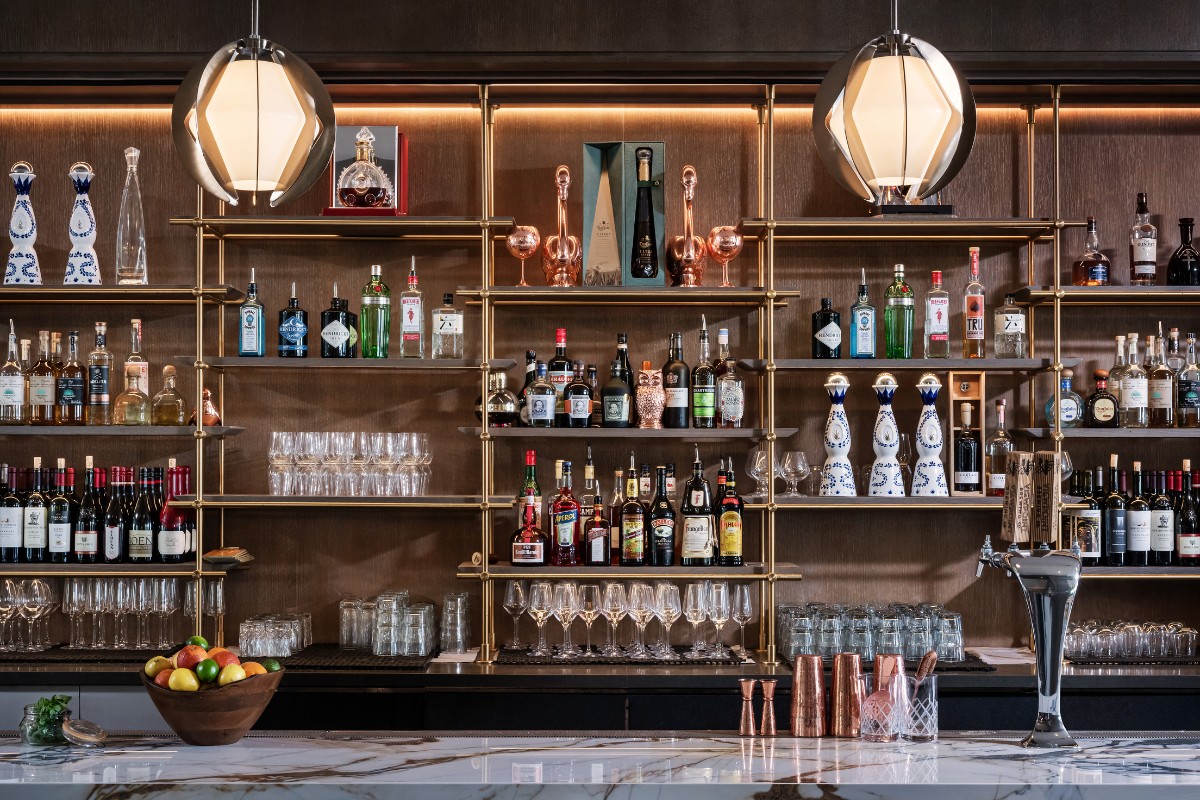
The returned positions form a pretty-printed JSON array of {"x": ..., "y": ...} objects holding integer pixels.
[
  {"x": 1134, "y": 389},
  {"x": 1102, "y": 405},
  {"x": 99, "y": 399},
  {"x": 1118, "y": 369},
  {"x": 41, "y": 383},
  {"x": 1184, "y": 267},
  {"x": 1143, "y": 247},
  {"x": 375, "y": 318},
  {"x": 131, "y": 227},
  {"x": 71, "y": 391},
  {"x": 136, "y": 360},
  {"x": 1187, "y": 388},
  {"x": 447, "y": 337},
  {"x": 995, "y": 453},
  {"x": 132, "y": 406},
  {"x": 1161, "y": 390},
  {"x": 1070, "y": 405},
  {"x": 167, "y": 407},
  {"x": 898, "y": 317},
  {"x": 13, "y": 409},
  {"x": 412, "y": 317}
]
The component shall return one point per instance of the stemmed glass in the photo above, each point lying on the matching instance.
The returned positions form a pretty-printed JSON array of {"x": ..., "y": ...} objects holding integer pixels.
[
  {"x": 718, "y": 612},
  {"x": 590, "y": 603},
  {"x": 695, "y": 611},
  {"x": 565, "y": 608},
  {"x": 143, "y": 605},
  {"x": 616, "y": 605},
  {"x": 743, "y": 610},
  {"x": 74, "y": 604},
  {"x": 33, "y": 596},
  {"x": 516, "y": 600},
  {"x": 641, "y": 608},
  {"x": 122, "y": 604},
  {"x": 666, "y": 605},
  {"x": 541, "y": 600},
  {"x": 794, "y": 469},
  {"x": 214, "y": 600},
  {"x": 522, "y": 243},
  {"x": 8, "y": 609},
  {"x": 96, "y": 605},
  {"x": 52, "y": 604},
  {"x": 1066, "y": 466},
  {"x": 759, "y": 467},
  {"x": 165, "y": 602}
]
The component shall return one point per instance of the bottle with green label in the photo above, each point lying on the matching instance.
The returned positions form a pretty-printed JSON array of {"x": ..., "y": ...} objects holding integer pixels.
[{"x": 704, "y": 385}]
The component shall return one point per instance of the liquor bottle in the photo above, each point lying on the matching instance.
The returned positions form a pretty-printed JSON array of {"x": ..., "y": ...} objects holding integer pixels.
[
  {"x": 597, "y": 416},
  {"x": 375, "y": 317},
  {"x": 1175, "y": 358},
  {"x": 616, "y": 399},
  {"x": 967, "y": 456},
  {"x": 141, "y": 523},
  {"x": 937, "y": 319},
  {"x": 56, "y": 359},
  {"x": 662, "y": 523},
  {"x": 1162, "y": 526},
  {"x": 293, "y": 329},
  {"x": 34, "y": 520},
  {"x": 995, "y": 452},
  {"x": 529, "y": 484},
  {"x": 1092, "y": 268},
  {"x": 1143, "y": 247},
  {"x": 41, "y": 383},
  {"x": 86, "y": 545},
  {"x": 529, "y": 544},
  {"x": 412, "y": 319},
  {"x": 645, "y": 483},
  {"x": 676, "y": 377},
  {"x": 633, "y": 525},
  {"x": 559, "y": 371},
  {"x": 729, "y": 524},
  {"x": 530, "y": 377},
  {"x": 12, "y": 520},
  {"x": 671, "y": 486},
  {"x": 614, "y": 519},
  {"x": 1009, "y": 322},
  {"x": 58, "y": 525},
  {"x": 1184, "y": 267},
  {"x": 172, "y": 533},
  {"x": 577, "y": 400},
  {"x": 898, "y": 317},
  {"x": 973, "y": 308},
  {"x": 862, "y": 323},
  {"x": 131, "y": 406},
  {"x": 252, "y": 336},
  {"x": 69, "y": 386},
  {"x": 596, "y": 534},
  {"x": 630, "y": 380},
  {"x": 699, "y": 524},
  {"x": 722, "y": 351},
  {"x": 1101, "y": 408},
  {"x": 540, "y": 399},
  {"x": 731, "y": 397},
  {"x": 1118, "y": 370},
  {"x": 1137, "y": 522},
  {"x": 167, "y": 406},
  {"x": 1187, "y": 388},
  {"x": 136, "y": 359},
  {"x": 566, "y": 546},
  {"x": 1070, "y": 405},
  {"x": 13, "y": 409},
  {"x": 643, "y": 258},
  {"x": 447, "y": 323},
  {"x": 1134, "y": 389},
  {"x": 337, "y": 335},
  {"x": 1084, "y": 526},
  {"x": 1188, "y": 539},
  {"x": 704, "y": 385},
  {"x": 590, "y": 489},
  {"x": 826, "y": 331},
  {"x": 1115, "y": 534},
  {"x": 1160, "y": 385}
]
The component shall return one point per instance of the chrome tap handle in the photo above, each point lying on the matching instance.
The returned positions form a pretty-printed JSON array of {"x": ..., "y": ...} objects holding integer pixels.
[{"x": 985, "y": 555}]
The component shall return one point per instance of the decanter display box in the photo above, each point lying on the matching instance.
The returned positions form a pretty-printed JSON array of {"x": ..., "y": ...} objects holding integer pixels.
[
  {"x": 610, "y": 214},
  {"x": 369, "y": 174}
]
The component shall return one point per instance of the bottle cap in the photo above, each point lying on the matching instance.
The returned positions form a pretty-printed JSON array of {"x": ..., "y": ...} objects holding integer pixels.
[
  {"x": 646, "y": 366},
  {"x": 826, "y": 303},
  {"x": 448, "y": 298},
  {"x": 530, "y": 458},
  {"x": 560, "y": 336},
  {"x": 1100, "y": 375},
  {"x": 937, "y": 276}
]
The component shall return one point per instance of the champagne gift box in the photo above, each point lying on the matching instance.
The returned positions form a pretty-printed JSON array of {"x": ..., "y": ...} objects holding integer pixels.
[{"x": 609, "y": 206}]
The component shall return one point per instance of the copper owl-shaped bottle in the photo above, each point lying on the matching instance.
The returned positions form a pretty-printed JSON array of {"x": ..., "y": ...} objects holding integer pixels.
[{"x": 651, "y": 397}]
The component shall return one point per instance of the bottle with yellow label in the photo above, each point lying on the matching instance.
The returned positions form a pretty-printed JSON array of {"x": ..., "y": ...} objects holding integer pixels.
[{"x": 729, "y": 525}]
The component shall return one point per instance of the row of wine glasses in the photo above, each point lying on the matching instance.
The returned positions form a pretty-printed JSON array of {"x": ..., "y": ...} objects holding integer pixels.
[
  {"x": 640, "y": 602},
  {"x": 29, "y": 601},
  {"x": 349, "y": 464}
]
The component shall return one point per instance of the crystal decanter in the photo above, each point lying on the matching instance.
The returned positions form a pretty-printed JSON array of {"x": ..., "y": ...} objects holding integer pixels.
[
  {"x": 131, "y": 227},
  {"x": 364, "y": 184}
]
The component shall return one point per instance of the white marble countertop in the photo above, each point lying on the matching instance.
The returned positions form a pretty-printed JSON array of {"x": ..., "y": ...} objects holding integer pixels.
[{"x": 441, "y": 767}]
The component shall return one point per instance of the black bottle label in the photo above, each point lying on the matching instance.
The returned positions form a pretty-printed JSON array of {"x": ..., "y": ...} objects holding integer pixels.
[
  {"x": 98, "y": 384},
  {"x": 1115, "y": 535},
  {"x": 70, "y": 391}
]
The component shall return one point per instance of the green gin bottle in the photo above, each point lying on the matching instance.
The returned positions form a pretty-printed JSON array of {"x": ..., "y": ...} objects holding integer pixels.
[
  {"x": 898, "y": 317},
  {"x": 375, "y": 320}
]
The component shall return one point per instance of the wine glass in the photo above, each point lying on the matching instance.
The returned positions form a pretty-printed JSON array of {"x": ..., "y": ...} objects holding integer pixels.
[
  {"x": 904, "y": 454},
  {"x": 565, "y": 608},
  {"x": 590, "y": 604},
  {"x": 641, "y": 608},
  {"x": 52, "y": 604},
  {"x": 794, "y": 469},
  {"x": 516, "y": 600},
  {"x": 96, "y": 604},
  {"x": 8, "y": 609},
  {"x": 719, "y": 612},
  {"x": 695, "y": 611},
  {"x": 32, "y": 598},
  {"x": 616, "y": 604},
  {"x": 143, "y": 605},
  {"x": 743, "y": 611},
  {"x": 667, "y": 606},
  {"x": 1066, "y": 466},
  {"x": 74, "y": 603},
  {"x": 214, "y": 600},
  {"x": 522, "y": 243},
  {"x": 724, "y": 243},
  {"x": 541, "y": 603}
]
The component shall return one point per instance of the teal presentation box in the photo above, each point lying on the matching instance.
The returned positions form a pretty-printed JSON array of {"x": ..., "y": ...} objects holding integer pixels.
[{"x": 620, "y": 159}]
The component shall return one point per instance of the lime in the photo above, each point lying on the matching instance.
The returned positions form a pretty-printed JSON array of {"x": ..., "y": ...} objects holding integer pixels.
[
  {"x": 199, "y": 641},
  {"x": 270, "y": 665},
  {"x": 207, "y": 670}
]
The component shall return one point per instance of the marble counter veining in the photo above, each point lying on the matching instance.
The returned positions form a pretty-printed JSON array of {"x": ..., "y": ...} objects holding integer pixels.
[{"x": 350, "y": 765}]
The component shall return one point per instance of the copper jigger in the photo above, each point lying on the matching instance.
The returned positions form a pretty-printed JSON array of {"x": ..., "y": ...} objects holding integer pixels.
[
  {"x": 846, "y": 707},
  {"x": 746, "y": 728},
  {"x": 808, "y": 697},
  {"x": 767, "y": 728}
]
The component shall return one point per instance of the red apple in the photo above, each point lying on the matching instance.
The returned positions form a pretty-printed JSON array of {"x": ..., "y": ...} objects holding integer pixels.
[
  {"x": 190, "y": 656},
  {"x": 163, "y": 677},
  {"x": 224, "y": 658}
]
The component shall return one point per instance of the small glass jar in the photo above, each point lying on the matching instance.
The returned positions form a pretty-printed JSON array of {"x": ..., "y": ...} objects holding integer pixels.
[{"x": 32, "y": 735}]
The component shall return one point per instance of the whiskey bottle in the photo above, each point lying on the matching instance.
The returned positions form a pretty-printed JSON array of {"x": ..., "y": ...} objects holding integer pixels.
[
  {"x": 1188, "y": 539},
  {"x": 69, "y": 389},
  {"x": 633, "y": 525},
  {"x": 729, "y": 524},
  {"x": 937, "y": 319},
  {"x": 862, "y": 323},
  {"x": 1070, "y": 405},
  {"x": 86, "y": 544},
  {"x": 826, "y": 331},
  {"x": 35, "y": 518},
  {"x": 1115, "y": 534},
  {"x": 614, "y": 518},
  {"x": 1009, "y": 323},
  {"x": 577, "y": 399},
  {"x": 967, "y": 460},
  {"x": 136, "y": 359},
  {"x": 996, "y": 451},
  {"x": 447, "y": 339},
  {"x": 898, "y": 317},
  {"x": 597, "y": 420},
  {"x": 1162, "y": 525},
  {"x": 704, "y": 385},
  {"x": 596, "y": 535},
  {"x": 375, "y": 316},
  {"x": 973, "y": 309},
  {"x": 1187, "y": 388},
  {"x": 1134, "y": 389},
  {"x": 616, "y": 398},
  {"x": 41, "y": 383},
  {"x": 698, "y": 546},
  {"x": 540, "y": 398},
  {"x": 560, "y": 372},
  {"x": 1161, "y": 389},
  {"x": 1143, "y": 247},
  {"x": 1092, "y": 268},
  {"x": 529, "y": 544},
  {"x": 675, "y": 377},
  {"x": 12, "y": 520},
  {"x": 1137, "y": 522},
  {"x": 1184, "y": 267},
  {"x": 131, "y": 406},
  {"x": 731, "y": 397},
  {"x": 1101, "y": 408},
  {"x": 662, "y": 523},
  {"x": 336, "y": 331},
  {"x": 293, "y": 329},
  {"x": 252, "y": 340},
  {"x": 13, "y": 408},
  {"x": 643, "y": 260},
  {"x": 565, "y": 515}
]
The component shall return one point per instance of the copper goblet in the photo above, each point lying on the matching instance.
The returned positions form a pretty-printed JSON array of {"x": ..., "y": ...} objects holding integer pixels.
[
  {"x": 724, "y": 244},
  {"x": 522, "y": 243}
]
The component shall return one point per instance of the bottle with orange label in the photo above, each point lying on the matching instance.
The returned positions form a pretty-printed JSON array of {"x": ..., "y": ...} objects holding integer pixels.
[
  {"x": 729, "y": 525},
  {"x": 973, "y": 303}
]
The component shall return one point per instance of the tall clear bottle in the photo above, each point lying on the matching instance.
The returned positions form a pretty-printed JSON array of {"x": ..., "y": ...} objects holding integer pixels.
[
  {"x": 973, "y": 312},
  {"x": 1135, "y": 389},
  {"x": 898, "y": 317},
  {"x": 995, "y": 453},
  {"x": 13, "y": 407},
  {"x": 252, "y": 339},
  {"x": 704, "y": 385},
  {"x": 862, "y": 323},
  {"x": 1161, "y": 390},
  {"x": 71, "y": 390},
  {"x": 99, "y": 399},
  {"x": 412, "y": 317},
  {"x": 1118, "y": 369},
  {"x": 375, "y": 318},
  {"x": 937, "y": 319},
  {"x": 41, "y": 383},
  {"x": 1187, "y": 389},
  {"x": 1143, "y": 247},
  {"x": 136, "y": 360},
  {"x": 131, "y": 227}
]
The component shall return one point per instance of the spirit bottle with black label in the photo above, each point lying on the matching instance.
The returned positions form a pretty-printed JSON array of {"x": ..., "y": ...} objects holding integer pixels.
[
  {"x": 293, "y": 329},
  {"x": 826, "y": 331},
  {"x": 71, "y": 391},
  {"x": 662, "y": 523},
  {"x": 338, "y": 336},
  {"x": 676, "y": 379},
  {"x": 1184, "y": 267},
  {"x": 967, "y": 461}
]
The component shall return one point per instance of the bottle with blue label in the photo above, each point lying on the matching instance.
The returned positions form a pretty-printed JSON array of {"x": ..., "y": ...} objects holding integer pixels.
[
  {"x": 252, "y": 340},
  {"x": 862, "y": 324},
  {"x": 1070, "y": 405},
  {"x": 293, "y": 329}
]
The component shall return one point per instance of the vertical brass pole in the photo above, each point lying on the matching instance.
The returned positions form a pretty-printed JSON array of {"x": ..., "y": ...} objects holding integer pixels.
[
  {"x": 1057, "y": 245},
  {"x": 487, "y": 633},
  {"x": 768, "y": 610},
  {"x": 760, "y": 316},
  {"x": 199, "y": 435}
]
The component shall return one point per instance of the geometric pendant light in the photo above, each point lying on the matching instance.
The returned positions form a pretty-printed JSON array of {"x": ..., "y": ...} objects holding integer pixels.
[
  {"x": 253, "y": 117},
  {"x": 893, "y": 120}
]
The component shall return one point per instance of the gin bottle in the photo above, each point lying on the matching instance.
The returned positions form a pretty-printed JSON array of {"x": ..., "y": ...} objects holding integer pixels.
[
  {"x": 412, "y": 317},
  {"x": 131, "y": 227},
  {"x": 898, "y": 317},
  {"x": 937, "y": 319},
  {"x": 375, "y": 319},
  {"x": 447, "y": 330},
  {"x": 862, "y": 324},
  {"x": 13, "y": 409},
  {"x": 293, "y": 329},
  {"x": 252, "y": 340},
  {"x": 1009, "y": 323}
]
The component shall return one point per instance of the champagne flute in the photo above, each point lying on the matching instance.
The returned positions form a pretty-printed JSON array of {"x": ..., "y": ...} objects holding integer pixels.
[
  {"x": 616, "y": 604},
  {"x": 522, "y": 243},
  {"x": 695, "y": 610},
  {"x": 8, "y": 610},
  {"x": 667, "y": 604},
  {"x": 718, "y": 612},
  {"x": 590, "y": 603},
  {"x": 541, "y": 600},
  {"x": 516, "y": 600},
  {"x": 743, "y": 610}
]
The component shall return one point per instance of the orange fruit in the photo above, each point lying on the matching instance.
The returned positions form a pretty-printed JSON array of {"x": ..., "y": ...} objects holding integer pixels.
[{"x": 253, "y": 668}]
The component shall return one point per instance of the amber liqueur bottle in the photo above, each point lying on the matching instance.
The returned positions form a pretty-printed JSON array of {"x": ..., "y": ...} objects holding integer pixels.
[
  {"x": 529, "y": 544},
  {"x": 1100, "y": 411},
  {"x": 596, "y": 536},
  {"x": 1092, "y": 268},
  {"x": 662, "y": 523},
  {"x": 643, "y": 260},
  {"x": 565, "y": 519},
  {"x": 633, "y": 524},
  {"x": 729, "y": 533}
]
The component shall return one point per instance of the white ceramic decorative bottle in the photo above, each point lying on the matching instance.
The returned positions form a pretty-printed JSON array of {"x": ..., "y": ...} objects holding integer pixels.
[
  {"x": 837, "y": 478},
  {"x": 886, "y": 478},
  {"x": 22, "y": 269},
  {"x": 929, "y": 477},
  {"x": 81, "y": 263}
]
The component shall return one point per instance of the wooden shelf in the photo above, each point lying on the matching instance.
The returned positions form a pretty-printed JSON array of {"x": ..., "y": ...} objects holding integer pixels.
[
  {"x": 891, "y": 228},
  {"x": 164, "y": 431},
  {"x": 897, "y": 503},
  {"x": 185, "y": 570},
  {"x": 682, "y": 434},
  {"x": 998, "y": 365},
  {"x": 1156, "y": 573},
  {"x": 118, "y": 295},
  {"x": 1113, "y": 433},
  {"x": 267, "y": 501},
  {"x": 619, "y": 295},
  {"x": 1110, "y": 295},
  {"x": 441, "y": 229},
  {"x": 754, "y": 571},
  {"x": 364, "y": 364}
]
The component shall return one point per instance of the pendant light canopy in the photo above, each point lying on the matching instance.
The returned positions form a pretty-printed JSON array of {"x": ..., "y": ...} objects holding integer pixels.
[
  {"x": 255, "y": 118},
  {"x": 893, "y": 120}
]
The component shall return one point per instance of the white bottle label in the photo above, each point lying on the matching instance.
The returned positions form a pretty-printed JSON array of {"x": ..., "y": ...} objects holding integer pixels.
[
  {"x": 937, "y": 318},
  {"x": 141, "y": 544},
  {"x": 1134, "y": 392},
  {"x": 1162, "y": 530},
  {"x": 864, "y": 332},
  {"x": 172, "y": 543},
  {"x": 698, "y": 537},
  {"x": 35, "y": 526},
  {"x": 996, "y": 480},
  {"x": 250, "y": 327},
  {"x": 1137, "y": 530},
  {"x": 966, "y": 477},
  {"x": 1189, "y": 544},
  {"x": 410, "y": 315},
  {"x": 1012, "y": 323},
  {"x": 528, "y": 553},
  {"x": 112, "y": 541},
  {"x": 86, "y": 542},
  {"x": 1161, "y": 394},
  {"x": 12, "y": 390},
  {"x": 580, "y": 408},
  {"x": 1145, "y": 255},
  {"x": 142, "y": 369},
  {"x": 447, "y": 324},
  {"x": 335, "y": 334},
  {"x": 599, "y": 551},
  {"x": 11, "y": 521},
  {"x": 1068, "y": 409},
  {"x": 41, "y": 390},
  {"x": 541, "y": 407},
  {"x": 733, "y": 402},
  {"x": 676, "y": 397},
  {"x": 616, "y": 408},
  {"x": 60, "y": 537},
  {"x": 830, "y": 336}
]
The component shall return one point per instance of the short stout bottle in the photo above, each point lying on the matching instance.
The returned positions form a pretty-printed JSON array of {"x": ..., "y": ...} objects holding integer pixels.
[
  {"x": 1162, "y": 525},
  {"x": 36, "y": 518},
  {"x": 1184, "y": 267},
  {"x": 676, "y": 379},
  {"x": 633, "y": 525},
  {"x": 293, "y": 329},
  {"x": 529, "y": 544},
  {"x": 577, "y": 399},
  {"x": 172, "y": 522},
  {"x": 1092, "y": 269},
  {"x": 338, "y": 337},
  {"x": 1187, "y": 543},
  {"x": 1137, "y": 522},
  {"x": 615, "y": 399},
  {"x": 967, "y": 456},
  {"x": 565, "y": 523},
  {"x": 662, "y": 523},
  {"x": 826, "y": 331},
  {"x": 729, "y": 524},
  {"x": 1115, "y": 527},
  {"x": 86, "y": 545},
  {"x": 58, "y": 545},
  {"x": 141, "y": 523},
  {"x": 540, "y": 400},
  {"x": 596, "y": 535},
  {"x": 699, "y": 525},
  {"x": 1100, "y": 410}
]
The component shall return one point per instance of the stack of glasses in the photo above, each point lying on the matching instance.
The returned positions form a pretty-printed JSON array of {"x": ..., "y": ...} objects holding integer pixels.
[
  {"x": 274, "y": 635},
  {"x": 386, "y": 625},
  {"x": 1116, "y": 640},
  {"x": 828, "y": 629},
  {"x": 349, "y": 464}
]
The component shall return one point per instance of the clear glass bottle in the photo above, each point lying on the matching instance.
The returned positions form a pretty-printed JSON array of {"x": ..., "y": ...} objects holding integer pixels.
[
  {"x": 99, "y": 399},
  {"x": 1160, "y": 385},
  {"x": 13, "y": 408},
  {"x": 540, "y": 399},
  {"x": 1070, "y": 405},
  {"x": 1184, "y": 267},
  {"x": 363, "y": 184},
  {"x": 995, "y": 453},
  {"x": 862, "y": 324},
  {"x": 447, "y": 338},
  {"x": 71, "y": 390},
  {"x": 1187, "y": 388},
  {"x": 1134, "y": 389},
  {"x": 1118, "y": 369},
  {"x": 131, "y": 227},
  {"x": 937, "y": 319},
  {"x": 731, "y": 397},
  {"x": 1092, "y": 268},
  {"x": 898, "y": 317},
  {"x": 41, "y": 383},
  {"x": 1143, "y": 247},
  {"x": 375, "y": 318},
  {"x": 136, "y": 359},
  {"x": 167, "y": 407},
  {"x": 132, "y": 406},
  {"x": 1174, "y": 357},
  {"x": 973, "y": 312},
  {"x": 412, "y": 317},
  {"x": 252, "y": 339},
  {"x": 1009, "y": 323}
]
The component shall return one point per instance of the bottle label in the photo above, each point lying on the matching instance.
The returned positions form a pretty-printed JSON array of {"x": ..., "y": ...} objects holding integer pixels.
[
  {"x": 733, "y": 402},
  {"x": 973, "y": 316},
  {"x": 293, "y": 330},
  {"x": 172, "y": 543},
  {"x": 900, "y": 301},
  {"x": 565, "y": 523},
  {"x": 528, "y": 553},
  {"x": 1137, "y": 530},
  {"x": 996, "y": 480},
  {"x": 1115, "y": 530},
  {"x": 1134, "y": 393},
  {"x": 1085, "y": 529},
  {"x": 86, "y": 542},
  {"x": 966, "y": 477},
  {"x": 1162, "y": 530},
  {"x": 633, "y": 540},
  {"x": 41, "y": 390},
  {"x": 1011, "y": 323},
  {"x": 1145, "y": 255},
  {"x": 10, "y": 527},
  {"x": 1188, "y": 394},
  {"x": 671, "y": 486},
  {"x": 141, "y": 544},
  {"x": 112, "y": 542},
  {"x": 1104, "y": 409},
  {"x": 863, "y": 321},
  {"x": 598, "y": 546},
  {"x": 410, "y": 318},
  {"x": 541, "y": 407},
  {"x": 1189, "y": 545},
  {"x": 60, "y": 537},
  {"x": 335, "y": 334},
  {"x": 676, "y": 397},
  {"x": 98, "y": 384},
  {"x": 70, "y": 391},
  {"x": 731, "y": 534},
  {"x": 830, "y": 336},
  {"x": 447, "y": 324},
  {"x": 1068, "y": 409},
  {"x": 937, "y": 318},
  {"x": 644, "y": 486},
  {"x": 698, "y": 535},
  {"x": 250, "y": 329},
  {"x": 35, "y": 526},
  {"x": 1161, "y": 396},
  {"x": 579, "y": 408},
  {"x": 1098, "y": 272},
  {"x": 697, "y": 497},
  {"x": 12, "y": 390},
  {"x": 704, "y": 400},
  {"x": 664, "y": 534},
  {"x": 616, "y": 408}
]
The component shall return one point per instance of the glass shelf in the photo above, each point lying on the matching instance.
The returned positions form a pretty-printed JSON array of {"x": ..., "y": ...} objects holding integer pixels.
[
  {"x": 268, "y": 501},
  {"x": 1113, "y": 433},
  {"x": 185, "y": 570},
  {"x": 683, "y": 434},
  {"x": 1110, "y": 295},
  {"x": 620, "y": 295},
  {"x": 752, "y": 571},
  {"x": 164, "y": 431},
  {"x": 998, "y": 365},
  {"x": 117, "y": 295},
  {"x": 315, "y": 362},
  {"x": 901, "y": 227},
  {"x": 1156, "y": 573},
  {"x": 442, "y": 229}
]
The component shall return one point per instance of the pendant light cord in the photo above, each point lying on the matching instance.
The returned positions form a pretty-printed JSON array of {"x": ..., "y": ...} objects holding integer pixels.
[
  {"x": 254, "y": 19},
  {"x": 895, "y": 15}
]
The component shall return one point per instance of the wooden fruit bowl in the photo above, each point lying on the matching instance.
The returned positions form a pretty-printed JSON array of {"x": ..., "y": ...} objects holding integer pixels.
[{"x": 214, "y": 716}]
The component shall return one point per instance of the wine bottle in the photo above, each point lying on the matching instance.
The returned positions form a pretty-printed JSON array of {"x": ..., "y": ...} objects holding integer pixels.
[
  {"x": 141, "y": 524},
  {"x": 676, "y": 379},
  {"x": 1115, "y": 534},
  {"x": 86, "y": 546},
  {"x": 11, "y": 520},
  {"x": 58, "y": 544},
  {"x": 1188, "y": 540},
  {"x": 1137, "y": 522},
  {"x": 172, "y": 522},
  {"x": 1162, "y": 525},
  {"x": 967, "y": 466},
  {"x": 35, "y": 519}
]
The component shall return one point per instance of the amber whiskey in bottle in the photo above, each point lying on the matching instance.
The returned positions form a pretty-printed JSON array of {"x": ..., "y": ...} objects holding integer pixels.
[
  {"x": 1092, "y": 268},
  {"x": 596, "y": 536},
  {"x": 633, "y": 525}
]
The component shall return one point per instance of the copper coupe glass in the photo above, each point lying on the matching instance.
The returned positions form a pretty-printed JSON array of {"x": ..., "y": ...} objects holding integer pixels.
[
  {"x": 562, "y": 255},
  {"x": 522, "y": 243},
  {"x": 687, "y": 254},
  {"x": 724, "y": 244}
]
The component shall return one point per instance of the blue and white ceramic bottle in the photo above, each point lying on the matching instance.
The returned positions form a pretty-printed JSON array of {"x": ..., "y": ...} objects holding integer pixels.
[
  {"x": 22, "y": 268},
  {"x": 886, "y": 478},
  {"x": 837, "y": 478},
  {"x": 929, "y": 476},
  {"x": 82, "y": 267}
]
